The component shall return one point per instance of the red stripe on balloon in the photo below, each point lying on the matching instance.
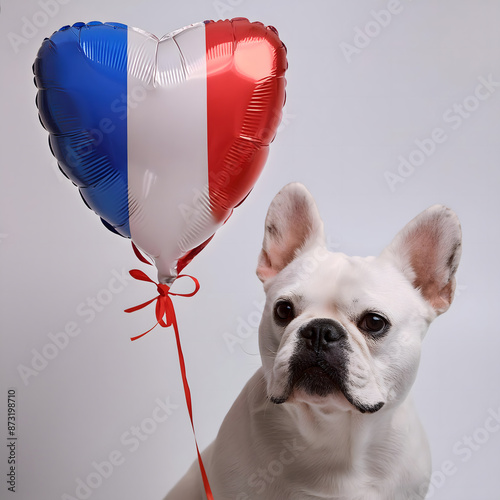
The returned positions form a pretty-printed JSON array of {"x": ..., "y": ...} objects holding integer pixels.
[
  {"x": 246, "y": 63},
  {"x": 188, "y": 257}
]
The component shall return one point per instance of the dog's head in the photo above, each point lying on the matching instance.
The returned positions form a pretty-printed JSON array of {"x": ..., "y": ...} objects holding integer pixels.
[{"x": 346, "y": 331}]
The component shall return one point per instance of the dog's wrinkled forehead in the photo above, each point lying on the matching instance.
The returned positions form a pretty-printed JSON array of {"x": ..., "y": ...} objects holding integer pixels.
[{"x": 335, "y": 283}]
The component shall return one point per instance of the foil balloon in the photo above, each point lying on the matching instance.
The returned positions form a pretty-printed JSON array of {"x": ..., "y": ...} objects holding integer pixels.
[{"x": 163, "y": 137}]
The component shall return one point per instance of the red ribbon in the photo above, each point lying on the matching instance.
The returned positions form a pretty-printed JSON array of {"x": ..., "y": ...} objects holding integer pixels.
[
  {"x": 165, "y": 313},
  {"x": 165, "y": 317}
]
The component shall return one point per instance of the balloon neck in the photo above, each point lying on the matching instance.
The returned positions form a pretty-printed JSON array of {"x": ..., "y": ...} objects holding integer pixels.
[
  {"x": 163, "y": 279},
  {"x": 166, "y": 279}
]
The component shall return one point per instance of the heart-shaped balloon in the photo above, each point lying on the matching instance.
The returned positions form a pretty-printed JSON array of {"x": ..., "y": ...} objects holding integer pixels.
[{"x": 163, "y": 137}]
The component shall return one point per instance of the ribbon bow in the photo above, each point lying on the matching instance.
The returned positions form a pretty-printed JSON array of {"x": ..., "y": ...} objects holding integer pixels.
[
  {"x": 165, "y": 317},
  {"x": 165, "y": 312}
]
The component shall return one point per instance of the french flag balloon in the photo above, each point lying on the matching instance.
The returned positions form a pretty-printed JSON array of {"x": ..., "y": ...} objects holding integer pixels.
[{"x": 163, "y": 137}]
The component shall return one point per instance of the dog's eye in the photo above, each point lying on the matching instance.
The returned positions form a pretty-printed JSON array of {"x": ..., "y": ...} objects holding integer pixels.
[
  {"x": 373, "y": 323},
  {"x": 283, "y": 312}
]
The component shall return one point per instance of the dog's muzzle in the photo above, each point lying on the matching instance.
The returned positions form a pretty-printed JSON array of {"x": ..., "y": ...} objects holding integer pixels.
[{"x": 319, "y": 364}]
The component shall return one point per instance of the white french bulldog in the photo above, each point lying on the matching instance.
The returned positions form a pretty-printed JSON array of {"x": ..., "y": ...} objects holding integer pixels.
[{"x": 328, "y": 415}]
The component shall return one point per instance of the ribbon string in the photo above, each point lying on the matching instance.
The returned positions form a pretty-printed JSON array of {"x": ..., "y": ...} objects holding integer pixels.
[{"x": 165, "y": 317}]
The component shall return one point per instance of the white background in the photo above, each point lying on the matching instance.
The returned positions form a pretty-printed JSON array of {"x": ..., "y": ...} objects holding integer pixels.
[{"x": 346, "y": 123}]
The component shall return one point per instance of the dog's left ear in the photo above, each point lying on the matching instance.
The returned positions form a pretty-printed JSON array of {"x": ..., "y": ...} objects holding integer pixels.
[
  {"x": 428, "y": 251},
  {"x": 292, "y": 225}
]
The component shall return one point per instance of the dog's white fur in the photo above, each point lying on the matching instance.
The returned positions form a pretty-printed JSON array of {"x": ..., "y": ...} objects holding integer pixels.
[{"x": 281, "y": 441}]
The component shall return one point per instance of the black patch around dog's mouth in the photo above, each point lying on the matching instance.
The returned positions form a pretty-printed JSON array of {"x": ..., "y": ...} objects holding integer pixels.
[
  {"x": 315, "y": 381},
  {"x": 313, "y": 376},
  {"x": 319, "y": 378}
]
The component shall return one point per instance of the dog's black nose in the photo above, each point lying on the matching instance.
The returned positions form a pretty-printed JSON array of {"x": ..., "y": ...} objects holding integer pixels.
[{"x": 321, "y": 333}]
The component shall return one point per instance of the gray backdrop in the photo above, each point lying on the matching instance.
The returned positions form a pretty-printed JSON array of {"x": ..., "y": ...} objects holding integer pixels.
[{"x": 366, "y": 92}]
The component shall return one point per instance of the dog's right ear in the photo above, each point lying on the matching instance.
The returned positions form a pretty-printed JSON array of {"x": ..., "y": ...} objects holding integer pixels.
[
  {"x": 427, "y": 251},
  {"x": 293, "y": 225}
]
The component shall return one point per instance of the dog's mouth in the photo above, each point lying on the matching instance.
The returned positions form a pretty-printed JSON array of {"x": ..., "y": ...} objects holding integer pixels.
[
  {"x": 316, "y": 381},
  {"x": 321, "y": 379}
]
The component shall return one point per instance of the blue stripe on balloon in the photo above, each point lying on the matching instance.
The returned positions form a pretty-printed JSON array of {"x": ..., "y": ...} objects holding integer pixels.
[{"x": 81, "y": 74}]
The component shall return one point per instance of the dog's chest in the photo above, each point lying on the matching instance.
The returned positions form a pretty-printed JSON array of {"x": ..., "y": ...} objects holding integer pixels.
[
  {"x": 297, "y": 474},
  {"x": 300, "y": 487}
]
